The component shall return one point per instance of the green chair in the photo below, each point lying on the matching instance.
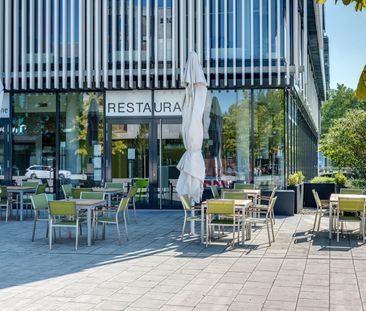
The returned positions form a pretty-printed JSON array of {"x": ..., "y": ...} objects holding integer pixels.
[
  {"x": 41, "y": 188},
  {"x": 222, "y": 213},
  {"x": 131, "y": 197},
  {"x": 351, "y": 191},
  {"x": 92, "y": 195},
  {"x": 76, "y": 192},
  {"x": 238, "y": 186},
  {"x": 40, "y": 207},
  {"x": 187, "y": 207},
  {"x": 67, "y": 191},
  {"x": 32, "y": 184},
  {"x": 351, "y": 206},
  {"x": 4, "y": 202},
  {"x": 142, "y": 185},
  {"x": 215, "y": 192},
  {"x": 63, "y": 214},
  {"x": 267, "y": 220},
  {"x": 112, "y": 217},
  {"x": 233, "y": 195}
]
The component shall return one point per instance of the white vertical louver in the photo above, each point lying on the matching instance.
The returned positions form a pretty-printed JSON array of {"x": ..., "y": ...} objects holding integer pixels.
[
  {"x": 97, "y": 42},
  {"x": 164, "y": 45},
  {"x": 56, "y": 46},
  {"x": 148, "y": 42},
  {"x": 40, "y": 45},
  {"x": 260, "y": 42},
  {"x": 31, "y": 44},
  {"x": 72, "y": 44},
  {"x": 139, "y": 39},
  {"x": 64, "y": 44},
  {"x": 48, "y": 44},
  {"x": 225, "y": 41},
  {"x": 114, "y": 43},
  {"x": 105, "y": 42},
  {"x": 208, "y": 43},
  {"x": 278, "y": 43},
  {"x": 2, "y": 31},
  {"x": 234, "y": 42},
  {"x": 270, "y": 42},
  {"x": 16, "y": 44},
  {"x": 24, "y": 13},
  {"x": 174, "y": 41},
  {"x": 89, "y": 43}
]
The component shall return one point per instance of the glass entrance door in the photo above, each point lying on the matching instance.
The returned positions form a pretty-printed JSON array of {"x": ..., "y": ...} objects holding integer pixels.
[
  {"x": 130, "y": 157},
  {"x": 170, "y": 151}
]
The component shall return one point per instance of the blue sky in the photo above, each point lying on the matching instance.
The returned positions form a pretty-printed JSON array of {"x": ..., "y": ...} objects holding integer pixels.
[{"x": 346, "y": 30}]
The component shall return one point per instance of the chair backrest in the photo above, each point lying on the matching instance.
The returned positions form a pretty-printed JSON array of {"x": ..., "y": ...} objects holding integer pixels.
[
  {"x": 67, "y": 190},
  {"x": 141, "y": 182},
  {"x": 76, "y": 192},
  {"x": 3, "y": 192},
  {"x": 271, "y": 205},
  {"x": 123, "y": 205},
  {"x": 244, "y": 186},
  {"x": 92, "y": 195},
  {"x": 222, "y": 207},
  {"x": 39, "y": 201},
  {"x": 113, "y": 185},
  {"x": 41, "y": 188},
  {"x": 186, "y": 202},
  {"x": 33, "y": 184},
  {"x": 132, "y": 192},
  {"x": 351, "y": 191},
  {"x": 235, "y": 195},
  {"x": 351, "y": 204},
  {"x": 273, "y": 193},
  {"x": 63, "y": 208},
  {"x": 215, "y": 192},
  {"x": 317, "y": 199}
]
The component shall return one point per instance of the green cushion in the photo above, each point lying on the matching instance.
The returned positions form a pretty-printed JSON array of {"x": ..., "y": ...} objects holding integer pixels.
[
  {"x": 65, "y": 222},
  {"x": 350, "y": 218},
  {"x": 107, "y": 219},
  {"x": 222, "y": 221}
]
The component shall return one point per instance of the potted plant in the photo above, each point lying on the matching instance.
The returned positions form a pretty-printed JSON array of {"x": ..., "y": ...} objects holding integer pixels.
[
  {"x": 323, "y": 185},
  {"x": 340, "y": 181},
  {"x": 294, "y": 182}
]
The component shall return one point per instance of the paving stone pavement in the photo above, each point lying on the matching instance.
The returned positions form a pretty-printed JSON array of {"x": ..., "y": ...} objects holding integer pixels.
[{"x": 154, "y": 270}]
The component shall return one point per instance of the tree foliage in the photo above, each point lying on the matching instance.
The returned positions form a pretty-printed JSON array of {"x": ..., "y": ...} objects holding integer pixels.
[
  {"x": 359, "y": 4},
  {"x": 341, "y": 100},
  {"x": 344, "y": 143}
]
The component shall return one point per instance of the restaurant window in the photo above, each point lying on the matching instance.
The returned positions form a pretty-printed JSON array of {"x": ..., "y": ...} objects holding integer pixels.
[
  {"x": 34, "y": 132},
  {"x": 227, "y": 138},
  {"x": 269, "y": 138},
  {"x": 81, "y": 137}
]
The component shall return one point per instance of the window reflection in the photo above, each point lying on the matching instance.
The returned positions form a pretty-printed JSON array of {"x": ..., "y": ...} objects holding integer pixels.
[
  {"x": 81, "y": 136},
  {"x": 269, "y": 137},
  {"x": 226, "y": 147},
  {"x": 34, "y": 133}
]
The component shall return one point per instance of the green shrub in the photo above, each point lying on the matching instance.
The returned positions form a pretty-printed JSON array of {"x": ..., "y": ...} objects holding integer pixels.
[
  {"x": 322, "y": 180},
  {"x": 340, "y": 179},
  {"x": 293, "y": 179},
  {"x": 357, "y": 183},
  {"x": 301, "y": 176}
]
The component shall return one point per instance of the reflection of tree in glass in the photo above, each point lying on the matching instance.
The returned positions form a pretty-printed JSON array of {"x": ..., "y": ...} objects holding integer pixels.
[
  {"x": 269, "y": 123},
  {"x": 141, "y": 145},
  {"x": 81, "y": 126}
]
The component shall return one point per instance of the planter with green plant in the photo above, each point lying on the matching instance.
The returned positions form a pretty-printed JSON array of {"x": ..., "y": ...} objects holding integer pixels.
[
  {"x": 323, "y": 185},
  {"x": 295, "y": 183}
]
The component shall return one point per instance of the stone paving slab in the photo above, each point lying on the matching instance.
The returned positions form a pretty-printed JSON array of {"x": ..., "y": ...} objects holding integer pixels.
[{"x": 154, "y": 270}]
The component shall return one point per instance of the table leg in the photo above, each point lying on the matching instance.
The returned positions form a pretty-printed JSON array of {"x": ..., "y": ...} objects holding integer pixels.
[
  {"x": 88, "y": 220},
  {"x": 21, "y": 205},
  {"x": 202, "y": 224},
  {"x": 243, "y": 226},
  {"x": 330, "y": 220},
  {"x": 109, "y": 199}
]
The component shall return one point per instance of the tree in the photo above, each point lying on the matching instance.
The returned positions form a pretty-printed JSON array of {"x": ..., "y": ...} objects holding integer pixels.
[
  {"x": 344, "y": 142},
  {"x": 341, "y": 100},
  {"x": 359, "y": 4}
]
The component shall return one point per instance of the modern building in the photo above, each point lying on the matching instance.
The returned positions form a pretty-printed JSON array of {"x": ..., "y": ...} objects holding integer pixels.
[{"x": 93, "y": 88}]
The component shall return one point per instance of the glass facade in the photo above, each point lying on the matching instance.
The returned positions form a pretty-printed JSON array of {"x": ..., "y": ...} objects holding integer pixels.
[{"x": 250, "y": 135}]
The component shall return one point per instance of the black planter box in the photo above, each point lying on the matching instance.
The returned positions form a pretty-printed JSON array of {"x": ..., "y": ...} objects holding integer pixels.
[
  {"x": 324, "y": 191},
  {"x": 299, "y": 196},
  {"x": 285, "y": 204}
]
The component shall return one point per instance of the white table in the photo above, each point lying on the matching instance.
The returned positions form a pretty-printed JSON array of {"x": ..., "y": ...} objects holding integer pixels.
[
  {"x": 109, "y": 192},
  {"x": 240, "y": 206},
  {"x": 21, "y": 190},
  {"x": 333, "y": 203},
  {"x": 89, "y": 205}
]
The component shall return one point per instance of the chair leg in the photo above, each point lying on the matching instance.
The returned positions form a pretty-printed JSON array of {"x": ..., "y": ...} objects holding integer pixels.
[
  {"x": 76, "y": 236},
  {"x": 337, "y": 225},
  {"x": 125, "y": 223},
  {"x": 273, "y": 232},
  {"x": 319, "y": 221},
  {"x": 207, "y": 231},
  {"x": 50, "y": 235},
  {"x": 315, "y": 221},
  {"x": 134, "y": 207},
  {"x": 269, "y": 237},
  {"x": 118, "y": 234},
  {"x": 7, "y": 213},
  {"x": 47, "y": 230},
  {"x": 34, "y": 228},
  {"x": 184, "y": 227},
  {"x": 103, "y": 231}
]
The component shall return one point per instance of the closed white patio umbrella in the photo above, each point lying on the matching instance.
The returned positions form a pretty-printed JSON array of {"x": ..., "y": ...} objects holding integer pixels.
[{"x": 192, "y": 165}]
